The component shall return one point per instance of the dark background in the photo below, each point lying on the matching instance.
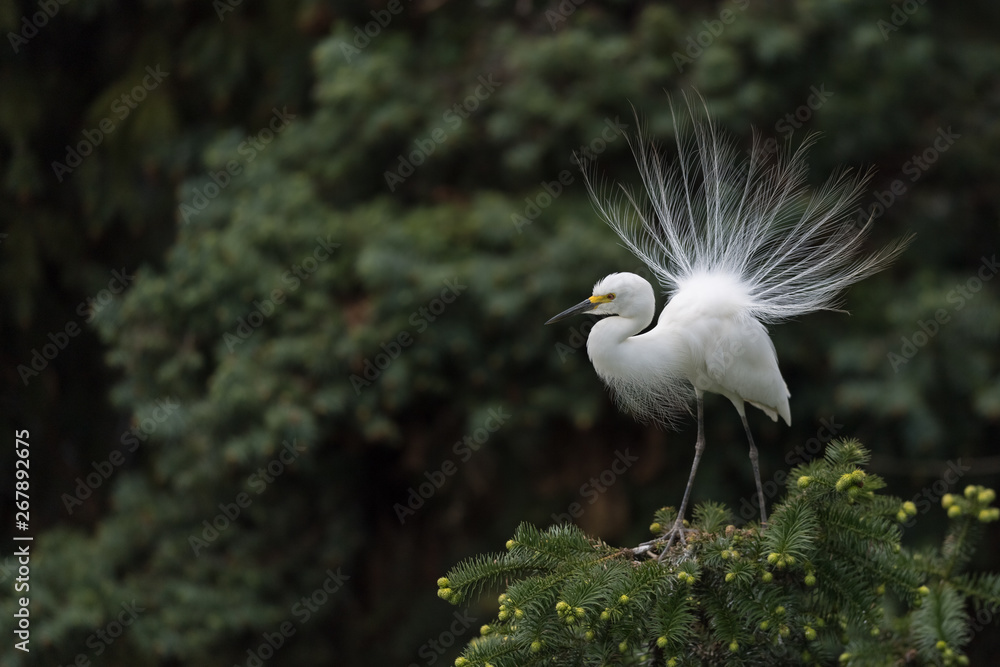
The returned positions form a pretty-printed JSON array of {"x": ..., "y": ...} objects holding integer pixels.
[{"x": 195, "y": 193}]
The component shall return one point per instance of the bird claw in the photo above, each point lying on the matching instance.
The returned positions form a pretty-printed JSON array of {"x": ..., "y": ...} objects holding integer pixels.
[{"x": 671, "y": 536}]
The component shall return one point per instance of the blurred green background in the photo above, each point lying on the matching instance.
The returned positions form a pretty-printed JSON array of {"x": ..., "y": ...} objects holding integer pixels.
[{"x": 273, "y": 277}]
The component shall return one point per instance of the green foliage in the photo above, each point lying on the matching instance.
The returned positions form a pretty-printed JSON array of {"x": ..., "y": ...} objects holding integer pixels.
[
  {"x": 826, "y": 581},
  {"x": 323, "y": 177}
]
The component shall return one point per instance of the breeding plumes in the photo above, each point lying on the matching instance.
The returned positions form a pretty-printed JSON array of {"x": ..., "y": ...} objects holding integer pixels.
[{"x": 736, "y": 241}]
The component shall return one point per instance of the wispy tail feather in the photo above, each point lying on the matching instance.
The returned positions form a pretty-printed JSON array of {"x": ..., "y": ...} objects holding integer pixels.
[{"x": 713, "y": 210}]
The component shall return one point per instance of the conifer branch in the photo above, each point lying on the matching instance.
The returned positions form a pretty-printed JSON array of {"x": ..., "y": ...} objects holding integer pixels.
[{"x": 811, "y": 588}]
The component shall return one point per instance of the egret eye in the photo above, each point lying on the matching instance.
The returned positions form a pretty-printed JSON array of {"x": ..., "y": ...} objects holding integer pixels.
[{"x": 611, "y": 297}]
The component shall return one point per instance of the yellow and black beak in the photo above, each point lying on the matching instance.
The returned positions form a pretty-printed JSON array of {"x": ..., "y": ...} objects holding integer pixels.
[{"x": 588, "y": 304}]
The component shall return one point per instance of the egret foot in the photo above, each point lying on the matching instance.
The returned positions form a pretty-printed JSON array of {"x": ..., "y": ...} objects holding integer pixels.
[{"x": 676, "y": 531}]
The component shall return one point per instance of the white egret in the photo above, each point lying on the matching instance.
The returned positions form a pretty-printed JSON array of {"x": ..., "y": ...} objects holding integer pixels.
[{"x": 737, "y": 242}]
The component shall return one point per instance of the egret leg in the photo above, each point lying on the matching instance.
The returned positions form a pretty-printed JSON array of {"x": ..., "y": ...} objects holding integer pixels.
[
  {"x": 756, "y": 470},
  {"x": 699, "y": 447}
]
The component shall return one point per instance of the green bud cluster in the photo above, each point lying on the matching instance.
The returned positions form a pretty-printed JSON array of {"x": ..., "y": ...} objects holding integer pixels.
[
  {"x": 507, "y": 609},
  {"x": 906, "y": 510},
  {"x": 568, "y": 613},
  {"x": 445, "y": 592},
  {"x": 780, "y": 560},
  {"x": 973, "y": 502},
  {"x": 948, "y": 655},
  {"x": 853, "y": 479}
]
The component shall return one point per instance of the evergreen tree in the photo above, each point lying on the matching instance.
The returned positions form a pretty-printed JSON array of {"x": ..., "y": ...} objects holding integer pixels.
[{"x": 827, "y": 581}]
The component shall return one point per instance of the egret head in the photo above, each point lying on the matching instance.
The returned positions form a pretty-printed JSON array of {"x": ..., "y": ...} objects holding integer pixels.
[{"x": 623, "y": 294}]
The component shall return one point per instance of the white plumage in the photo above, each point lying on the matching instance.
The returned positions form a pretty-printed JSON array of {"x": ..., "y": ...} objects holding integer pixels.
[{"x": 735, "y": 241}]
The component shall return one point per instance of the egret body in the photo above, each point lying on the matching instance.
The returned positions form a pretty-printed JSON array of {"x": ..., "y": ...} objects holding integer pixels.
[{"x": 736, "y": 242}]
